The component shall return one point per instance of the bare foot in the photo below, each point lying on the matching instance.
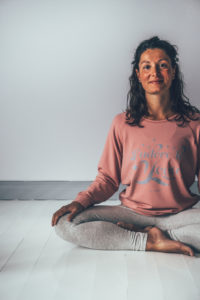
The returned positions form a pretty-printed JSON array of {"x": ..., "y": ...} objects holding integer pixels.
[{"x": 158, "y": 241}]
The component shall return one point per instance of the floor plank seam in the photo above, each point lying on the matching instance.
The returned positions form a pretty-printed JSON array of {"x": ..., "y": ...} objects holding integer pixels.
[{"x": 11, "y": 255}]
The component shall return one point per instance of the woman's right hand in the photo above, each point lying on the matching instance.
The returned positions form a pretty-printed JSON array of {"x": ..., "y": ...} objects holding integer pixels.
[{"x": 74, "y": 208}]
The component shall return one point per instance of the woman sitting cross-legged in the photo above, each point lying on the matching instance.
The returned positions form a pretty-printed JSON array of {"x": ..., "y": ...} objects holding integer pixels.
[{"x": 153, "y": 148}]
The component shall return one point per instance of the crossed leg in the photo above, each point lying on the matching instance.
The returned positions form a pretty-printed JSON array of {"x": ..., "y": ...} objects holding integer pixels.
[
  {"x": 96, "y": 228},
  {"x": 183, "y": 226}
]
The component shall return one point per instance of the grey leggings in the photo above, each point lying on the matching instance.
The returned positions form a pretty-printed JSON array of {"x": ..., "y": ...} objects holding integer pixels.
[{"x": 96, "y": 228}]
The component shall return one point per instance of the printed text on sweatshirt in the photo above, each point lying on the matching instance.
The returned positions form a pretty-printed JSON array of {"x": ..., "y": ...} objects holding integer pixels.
[{"x": 157, "y": 163}]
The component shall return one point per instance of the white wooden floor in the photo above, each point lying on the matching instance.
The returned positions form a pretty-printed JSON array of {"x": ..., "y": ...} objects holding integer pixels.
[{"x": 36, "y": 264}]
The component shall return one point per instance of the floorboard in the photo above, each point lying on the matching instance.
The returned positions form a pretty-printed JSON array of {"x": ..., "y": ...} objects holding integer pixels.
[{"x": 36, "y": 264}]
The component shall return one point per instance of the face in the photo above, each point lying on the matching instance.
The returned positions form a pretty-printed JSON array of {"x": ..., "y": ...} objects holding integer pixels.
[{"x": 155, "y": 71}]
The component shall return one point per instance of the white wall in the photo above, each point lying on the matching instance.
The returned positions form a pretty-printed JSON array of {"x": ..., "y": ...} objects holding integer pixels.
[{"x": 64, "y": 75}]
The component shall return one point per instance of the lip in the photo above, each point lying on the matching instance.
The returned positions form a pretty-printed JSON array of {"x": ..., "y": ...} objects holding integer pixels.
[{"x": 156, "y": 81}]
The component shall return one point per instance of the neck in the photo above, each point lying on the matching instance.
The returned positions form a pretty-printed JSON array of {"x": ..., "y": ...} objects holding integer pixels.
[{"x": 159, "y": 106}]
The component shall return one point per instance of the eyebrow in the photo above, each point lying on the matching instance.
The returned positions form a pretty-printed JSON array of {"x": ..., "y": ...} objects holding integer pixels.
[{"x": 147, "y": 61}]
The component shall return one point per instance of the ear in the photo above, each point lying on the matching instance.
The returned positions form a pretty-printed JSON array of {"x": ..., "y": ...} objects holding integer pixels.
[{"x": 138, "y": 74}]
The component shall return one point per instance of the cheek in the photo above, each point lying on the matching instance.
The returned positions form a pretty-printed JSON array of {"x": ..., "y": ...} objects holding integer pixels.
[
  {"x": 144, "y": 76},
  {"x": 167, "y": 75}
]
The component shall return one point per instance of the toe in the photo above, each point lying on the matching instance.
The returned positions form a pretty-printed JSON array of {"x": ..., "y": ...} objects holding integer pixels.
[
  {"x": 125, "y": 225},
  {"x": 147, "y": 228}
]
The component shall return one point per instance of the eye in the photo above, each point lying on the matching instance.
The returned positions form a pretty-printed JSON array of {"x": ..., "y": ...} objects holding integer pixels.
[
  {"x": 164, "y": 65},
  {"x": 147, "y": 67}
]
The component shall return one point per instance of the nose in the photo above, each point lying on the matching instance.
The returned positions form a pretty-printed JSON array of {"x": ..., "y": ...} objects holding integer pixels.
[{"x": 155, "y": 71}]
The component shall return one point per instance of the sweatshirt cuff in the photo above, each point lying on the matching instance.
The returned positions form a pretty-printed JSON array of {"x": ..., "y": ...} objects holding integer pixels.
[{"x": 86, "y": 202}]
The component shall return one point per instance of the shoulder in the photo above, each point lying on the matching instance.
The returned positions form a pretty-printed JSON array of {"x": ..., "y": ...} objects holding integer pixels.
[
  {"x": 117, "y": 125},
  {"x": 195, "y": 126},
  {"x": 119, "y": 119},
  {"x": 195, "y": 123},
  {"x": 196, "y": 115}
]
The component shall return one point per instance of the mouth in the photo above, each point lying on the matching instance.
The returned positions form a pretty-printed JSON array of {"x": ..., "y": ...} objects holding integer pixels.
[{"x": 156, "y": 81}]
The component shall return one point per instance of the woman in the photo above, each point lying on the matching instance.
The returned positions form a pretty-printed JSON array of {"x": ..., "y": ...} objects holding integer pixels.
[{"x": 153, "y": 149}]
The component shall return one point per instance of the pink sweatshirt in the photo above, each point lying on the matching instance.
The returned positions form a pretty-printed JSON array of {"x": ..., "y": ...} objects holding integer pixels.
[{"x": 157, "y": 164}]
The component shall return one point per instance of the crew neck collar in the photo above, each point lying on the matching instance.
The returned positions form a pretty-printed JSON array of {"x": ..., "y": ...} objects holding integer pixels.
[{"x": 159, "y": 121}]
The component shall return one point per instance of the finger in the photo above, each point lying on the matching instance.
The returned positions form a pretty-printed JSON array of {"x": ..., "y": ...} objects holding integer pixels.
[
  {"x": 57, "y": 215},
  {"x": 72, "y": 215},
  {"x": 125, "y": 225},
  {"x": 55, "y": 220},
  {"x": 147, "y": 228},
  {"x": 122, "y": 224}
]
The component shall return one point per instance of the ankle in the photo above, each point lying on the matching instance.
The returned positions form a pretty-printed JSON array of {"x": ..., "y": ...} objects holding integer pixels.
[
  {"x": 149, "y": 244},
  {"x": 152, "y": 239}
]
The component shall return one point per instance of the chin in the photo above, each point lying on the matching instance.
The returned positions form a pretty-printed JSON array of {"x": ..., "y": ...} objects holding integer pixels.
[{"x": 156, "y": 92}]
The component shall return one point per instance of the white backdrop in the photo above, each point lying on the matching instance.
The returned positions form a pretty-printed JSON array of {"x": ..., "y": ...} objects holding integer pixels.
[{"x": 64, "y": 68}]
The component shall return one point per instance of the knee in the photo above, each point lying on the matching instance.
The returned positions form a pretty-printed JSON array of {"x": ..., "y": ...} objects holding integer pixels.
[
  {"x": 63, "y": 229},
  {"x": 187, "y": 234}
]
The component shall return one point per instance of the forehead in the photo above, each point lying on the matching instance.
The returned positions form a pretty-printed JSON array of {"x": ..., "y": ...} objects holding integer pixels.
[{"x": 154, "y": 55}]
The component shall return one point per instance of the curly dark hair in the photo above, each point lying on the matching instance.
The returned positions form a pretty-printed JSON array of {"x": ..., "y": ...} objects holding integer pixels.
[{"x": 136, "y": 103}]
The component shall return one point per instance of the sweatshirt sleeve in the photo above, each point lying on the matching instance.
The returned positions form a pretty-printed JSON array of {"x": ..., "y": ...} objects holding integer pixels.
[{"x": 108, "y": 178}]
